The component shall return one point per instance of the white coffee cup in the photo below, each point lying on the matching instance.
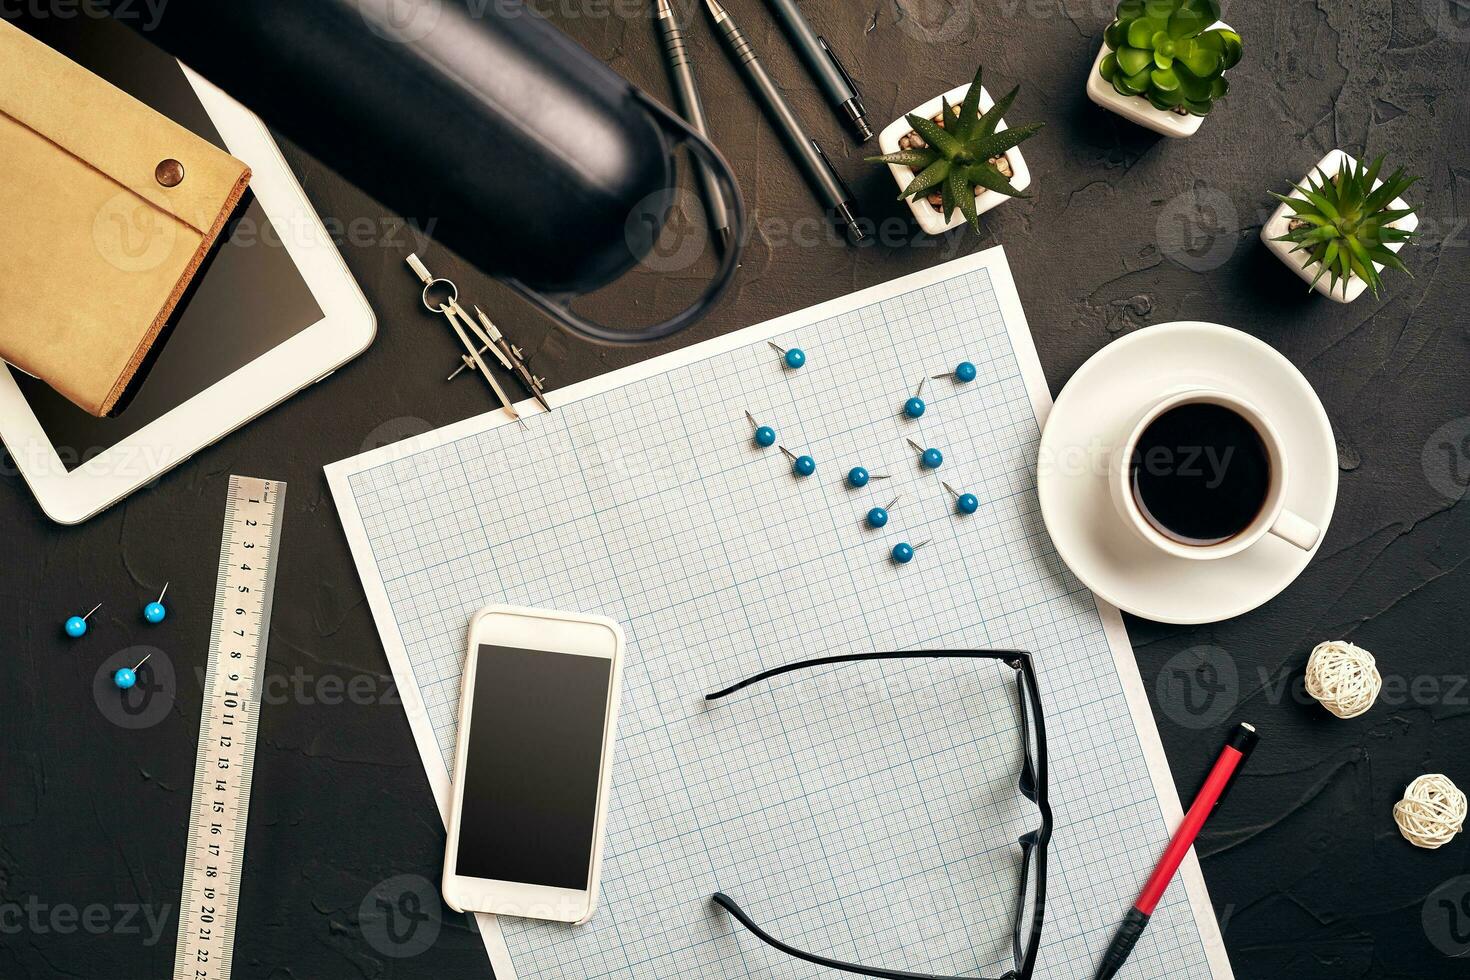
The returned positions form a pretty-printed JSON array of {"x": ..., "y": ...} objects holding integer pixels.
[{"x": 1273, "y": 517}]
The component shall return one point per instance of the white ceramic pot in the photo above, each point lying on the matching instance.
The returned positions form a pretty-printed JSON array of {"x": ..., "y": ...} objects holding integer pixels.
[
  {"x": 1136, "y": 108},
  {"x": 930, "y": 218},
  {"x": 1299, "y": 262}
]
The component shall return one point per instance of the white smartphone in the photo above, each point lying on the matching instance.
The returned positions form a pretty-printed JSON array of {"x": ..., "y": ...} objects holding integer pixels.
[{"x": 537, "y": 721}]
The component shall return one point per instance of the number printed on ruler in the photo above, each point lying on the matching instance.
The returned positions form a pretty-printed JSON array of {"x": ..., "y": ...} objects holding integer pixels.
[{"x": 228, "y": 724}]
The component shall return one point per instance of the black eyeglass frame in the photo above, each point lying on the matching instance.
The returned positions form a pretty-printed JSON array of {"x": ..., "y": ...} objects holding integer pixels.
[{"x": 1033, "y": 785}]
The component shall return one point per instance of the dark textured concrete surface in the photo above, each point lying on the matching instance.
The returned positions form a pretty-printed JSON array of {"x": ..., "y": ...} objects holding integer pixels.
[{"x": 1306, "y": 870}]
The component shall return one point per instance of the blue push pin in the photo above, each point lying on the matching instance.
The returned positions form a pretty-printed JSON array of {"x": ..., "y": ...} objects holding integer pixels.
[
  {"x": 858, "y": 477},
  {"x": 125, "y": 678},
  {"x": 878, "y": 516},
  {"x": 914, "y": 407},
  {"x": 154, "y": 612},
  {"x": 930, "y": 459},
  {"x": 965, "y": 503},
  {"x": 800, "y": 465},
  {"x": 76, "y": 627},
  {"x": 765, "y": 436},
  {"x": 964, "y": 373},
  {"x": 794, "y": 358},
  {"x": 903, "y": 552}
]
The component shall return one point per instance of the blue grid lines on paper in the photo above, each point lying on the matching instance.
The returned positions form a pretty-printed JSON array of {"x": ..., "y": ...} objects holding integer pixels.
[{"x": 867, "y": 812}]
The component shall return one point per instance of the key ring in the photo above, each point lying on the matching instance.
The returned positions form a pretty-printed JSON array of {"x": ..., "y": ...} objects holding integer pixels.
[{"x": 448, "y": 304}]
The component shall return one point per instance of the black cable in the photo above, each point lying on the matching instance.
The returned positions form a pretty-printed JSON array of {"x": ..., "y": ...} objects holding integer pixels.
[{"x": 559, "y": 308}]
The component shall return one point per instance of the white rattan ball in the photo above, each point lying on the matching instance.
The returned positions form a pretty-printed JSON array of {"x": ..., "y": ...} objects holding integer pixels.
[
  {"x": 1432, "y": 811},
  {"x": 1344, "y": 678}
]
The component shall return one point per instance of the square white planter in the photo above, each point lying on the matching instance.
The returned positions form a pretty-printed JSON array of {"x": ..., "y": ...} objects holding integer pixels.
[
  {"x": 1298, "y": 262},
  {"x": 930, "y": 218},
  {"x": 1136, "y": 108}
]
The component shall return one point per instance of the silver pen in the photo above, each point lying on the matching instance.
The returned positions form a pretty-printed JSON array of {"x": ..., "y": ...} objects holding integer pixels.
[
  {"x": 825, "y": 66},
  {"x": 681, "y": 75},
  {"x": 805, "y": 152}
]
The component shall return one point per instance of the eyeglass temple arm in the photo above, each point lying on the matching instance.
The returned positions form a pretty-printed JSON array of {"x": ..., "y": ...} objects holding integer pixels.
[
  {"x": 728, "y": 904},
  {"x": 1018, "y": 659},
  {"x": 1019, "y": 655}
]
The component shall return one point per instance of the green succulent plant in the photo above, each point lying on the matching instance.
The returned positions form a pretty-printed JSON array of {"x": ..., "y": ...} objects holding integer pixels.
[
  {"x": 957, "y": 158},
  {"x": 1166, "y": 52},
  {"x": 1345, "y": 225}
]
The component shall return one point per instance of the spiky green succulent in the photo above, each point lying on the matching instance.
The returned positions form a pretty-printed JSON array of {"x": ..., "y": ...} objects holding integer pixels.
[
  {"x": 1345, "y": 225},
  {"x": 1166, "y": 52},
  {"x": 957, "y": 158}
]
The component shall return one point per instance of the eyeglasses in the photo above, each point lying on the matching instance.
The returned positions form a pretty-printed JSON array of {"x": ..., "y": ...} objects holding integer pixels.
[{"x": 1031, "y": 900}]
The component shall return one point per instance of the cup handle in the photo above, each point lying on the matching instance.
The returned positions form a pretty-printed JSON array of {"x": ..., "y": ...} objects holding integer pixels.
[{"x": 1296, "y": 530}]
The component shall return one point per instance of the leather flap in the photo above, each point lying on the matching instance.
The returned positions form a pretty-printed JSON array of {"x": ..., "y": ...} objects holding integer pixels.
[
  {"x": 95, "y": 252},
  {"x": 111, "y": 131}
]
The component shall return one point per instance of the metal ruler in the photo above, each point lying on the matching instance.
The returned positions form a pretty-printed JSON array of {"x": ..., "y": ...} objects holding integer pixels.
[{"x": 227, "y": 730}]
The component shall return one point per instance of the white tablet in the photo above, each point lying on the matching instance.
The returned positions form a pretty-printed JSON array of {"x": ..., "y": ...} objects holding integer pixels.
[{"x": 272, "y": 311}]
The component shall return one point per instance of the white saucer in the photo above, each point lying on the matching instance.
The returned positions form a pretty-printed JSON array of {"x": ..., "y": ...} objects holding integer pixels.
[{"x": 1092, "y": 415}]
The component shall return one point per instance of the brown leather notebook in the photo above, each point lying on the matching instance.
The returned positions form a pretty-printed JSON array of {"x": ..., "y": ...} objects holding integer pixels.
[{"x": 107, "y": 209}]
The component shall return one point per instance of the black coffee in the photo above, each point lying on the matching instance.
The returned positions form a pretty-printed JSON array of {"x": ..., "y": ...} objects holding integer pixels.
[{"x": 1200, "y": 474}]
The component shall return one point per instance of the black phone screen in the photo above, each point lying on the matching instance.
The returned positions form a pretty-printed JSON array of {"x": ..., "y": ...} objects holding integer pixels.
[{"x": 532, "y": 765}]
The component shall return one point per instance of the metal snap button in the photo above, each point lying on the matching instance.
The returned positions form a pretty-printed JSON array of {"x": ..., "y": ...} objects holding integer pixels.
[{"x": 169, "y": 173}]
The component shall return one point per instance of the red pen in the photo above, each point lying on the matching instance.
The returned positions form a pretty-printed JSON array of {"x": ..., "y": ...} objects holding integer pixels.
[{"x": 1236, "y": 751}]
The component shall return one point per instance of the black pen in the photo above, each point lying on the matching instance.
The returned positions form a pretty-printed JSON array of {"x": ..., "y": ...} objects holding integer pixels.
[
  {"x": 823, "y": 63},
  {"x": 824, "y": 180},
  {"x": 681, "y": 75}
]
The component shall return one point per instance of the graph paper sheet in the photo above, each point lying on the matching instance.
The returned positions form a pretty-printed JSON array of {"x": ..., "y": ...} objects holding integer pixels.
[{"x": 867, "y": 813}]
